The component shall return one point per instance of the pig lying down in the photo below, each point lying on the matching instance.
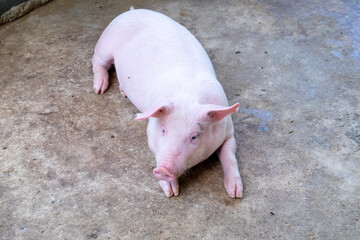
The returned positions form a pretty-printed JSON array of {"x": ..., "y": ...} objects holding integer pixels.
[{"x": 167, "y": 75}]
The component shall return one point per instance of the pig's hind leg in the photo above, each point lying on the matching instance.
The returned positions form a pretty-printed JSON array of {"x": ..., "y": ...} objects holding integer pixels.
[
  {"x": 100, "y": 68},
  {"x": 226, "y": 153},
  {"x": 122, "y": 91},
  {"x": 103, "y": 59}
]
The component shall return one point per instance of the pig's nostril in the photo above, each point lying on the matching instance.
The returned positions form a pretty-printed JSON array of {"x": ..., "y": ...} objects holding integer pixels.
[{"x": 163, "y": 173}]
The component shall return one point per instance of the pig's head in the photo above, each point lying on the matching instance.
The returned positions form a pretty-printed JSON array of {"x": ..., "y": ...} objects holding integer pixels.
[{"x": 182, "y": 135}]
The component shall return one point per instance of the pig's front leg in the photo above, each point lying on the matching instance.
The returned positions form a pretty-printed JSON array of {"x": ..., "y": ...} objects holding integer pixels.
[
  {"x": 226, "y": 153},
  {"x": 170, "y": 188}
]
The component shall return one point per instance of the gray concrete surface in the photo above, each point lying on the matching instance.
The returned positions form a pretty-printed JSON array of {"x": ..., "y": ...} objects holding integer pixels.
[
  {"x": 14, "y": 9},
  {"x": 6, "y": 5},
  {"x": 75, "y": 165}
]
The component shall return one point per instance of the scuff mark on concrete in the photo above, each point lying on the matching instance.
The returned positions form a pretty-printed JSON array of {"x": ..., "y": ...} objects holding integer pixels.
[
  {"x": 318, "y": 140},
  {"x": 264, "y": 116},
  {"x": 354, "y": 135}
]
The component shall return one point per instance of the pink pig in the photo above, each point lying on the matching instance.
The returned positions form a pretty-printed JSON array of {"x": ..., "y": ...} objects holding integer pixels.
[{"x": 168, "y": 76}]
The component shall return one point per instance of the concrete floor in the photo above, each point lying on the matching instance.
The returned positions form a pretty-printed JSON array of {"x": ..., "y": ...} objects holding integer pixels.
[{"x": 75, "y": 165}]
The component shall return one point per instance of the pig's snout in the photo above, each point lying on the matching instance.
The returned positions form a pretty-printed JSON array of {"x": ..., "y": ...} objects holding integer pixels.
[{"x": 162, "y": 173}]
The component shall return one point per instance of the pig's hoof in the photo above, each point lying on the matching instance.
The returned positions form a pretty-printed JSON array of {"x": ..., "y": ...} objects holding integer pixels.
[
  {"x": 170, "y": 188},
  {"x": 234, "y": 187},
  {"x": 101, "y": 81},
  {"x": 122, "y": 92}
]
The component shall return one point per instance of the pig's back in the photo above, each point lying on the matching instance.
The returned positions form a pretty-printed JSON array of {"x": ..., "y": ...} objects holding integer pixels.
[{"x": 156, "y": 57}]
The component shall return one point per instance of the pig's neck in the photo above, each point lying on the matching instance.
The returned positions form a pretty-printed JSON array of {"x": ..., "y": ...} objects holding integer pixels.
[{"x": 202, "y": 91}]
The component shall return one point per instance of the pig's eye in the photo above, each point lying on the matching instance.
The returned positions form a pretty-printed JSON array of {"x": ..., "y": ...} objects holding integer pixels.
[
  {"x": 163, "y": 132},
  {"x": 194, "y": 138}
]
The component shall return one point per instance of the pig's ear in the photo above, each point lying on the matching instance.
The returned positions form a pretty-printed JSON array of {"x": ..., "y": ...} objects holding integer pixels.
[
  {"x": 217, "y": 112},
  {"x": 159, "y": 110}
]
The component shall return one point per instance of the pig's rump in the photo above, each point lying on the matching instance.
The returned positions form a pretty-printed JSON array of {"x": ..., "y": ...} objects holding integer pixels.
[{"x": 154, "y": 57}]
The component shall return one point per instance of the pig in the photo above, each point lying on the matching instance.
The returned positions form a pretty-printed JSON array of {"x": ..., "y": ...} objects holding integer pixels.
[{"x": 165, "y": 72}]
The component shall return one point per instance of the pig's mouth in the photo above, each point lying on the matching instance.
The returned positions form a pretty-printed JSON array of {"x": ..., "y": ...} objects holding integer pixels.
[{"x": 162, "y": 173}]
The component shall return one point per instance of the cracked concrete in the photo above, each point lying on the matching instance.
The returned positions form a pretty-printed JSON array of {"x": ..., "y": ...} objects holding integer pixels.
[{"x": 75, "y": 165}]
